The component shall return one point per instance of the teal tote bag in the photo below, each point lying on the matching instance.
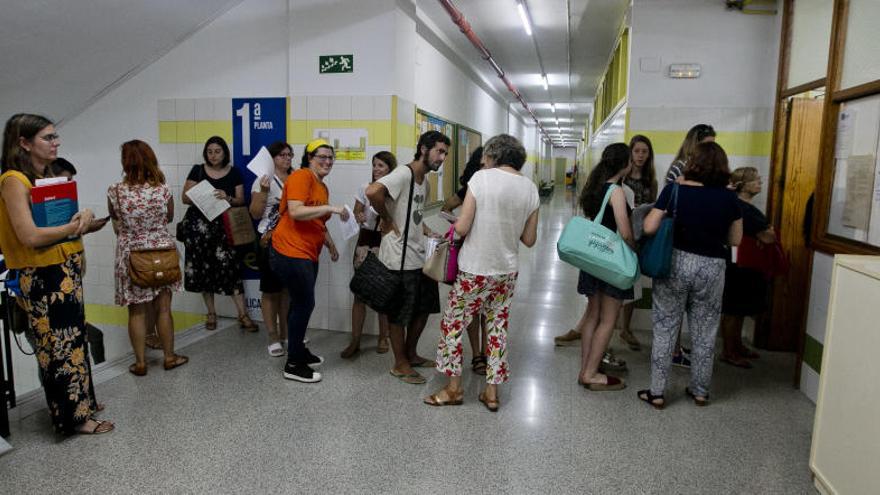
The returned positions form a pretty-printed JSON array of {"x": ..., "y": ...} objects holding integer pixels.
[{"x": 597, "y": 250}]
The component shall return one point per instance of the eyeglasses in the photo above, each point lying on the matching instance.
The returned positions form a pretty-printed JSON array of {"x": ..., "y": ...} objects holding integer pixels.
[
  {"x": 49, "y": 138},
  {"x": 323, "y": 157},
  {"x": 285, "y": 155}
]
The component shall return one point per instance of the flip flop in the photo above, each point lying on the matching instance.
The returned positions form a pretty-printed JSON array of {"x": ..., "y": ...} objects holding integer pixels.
[
  {"x": 412, "y": 378},
  {"x": 98, "y": 429},
  {"x": 178, "y": 360},
  {"x": 427, "y": 363}
]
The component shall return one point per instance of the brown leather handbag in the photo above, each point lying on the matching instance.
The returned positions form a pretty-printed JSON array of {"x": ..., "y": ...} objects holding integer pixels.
[{"x": 153, "y": 268}]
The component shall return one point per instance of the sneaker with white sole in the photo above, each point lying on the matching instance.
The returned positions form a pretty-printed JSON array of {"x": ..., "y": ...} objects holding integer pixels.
[
  {"x": 301, "y": 373},
  {"x": 276, "y": 349},
  {"x": 313, "y": 360}
]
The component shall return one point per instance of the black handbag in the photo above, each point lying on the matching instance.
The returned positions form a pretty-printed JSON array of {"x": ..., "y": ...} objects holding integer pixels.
[{"x": 373, "y": 282}]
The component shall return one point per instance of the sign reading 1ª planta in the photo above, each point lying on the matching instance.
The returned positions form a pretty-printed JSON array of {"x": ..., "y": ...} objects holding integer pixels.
[{"x": 335, "y": 64}]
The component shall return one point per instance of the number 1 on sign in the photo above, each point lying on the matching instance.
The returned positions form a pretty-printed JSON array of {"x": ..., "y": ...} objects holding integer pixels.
[{"x": 245, "y": 113}]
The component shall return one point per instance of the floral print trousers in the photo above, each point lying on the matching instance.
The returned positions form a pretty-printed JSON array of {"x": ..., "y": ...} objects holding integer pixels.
[
  {"x": 471, "y": 295},
  {"x": 53, "y": 299}
]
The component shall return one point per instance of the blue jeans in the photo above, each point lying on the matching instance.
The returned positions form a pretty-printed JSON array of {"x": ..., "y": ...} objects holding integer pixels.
[{"x": 299, "y": 276}]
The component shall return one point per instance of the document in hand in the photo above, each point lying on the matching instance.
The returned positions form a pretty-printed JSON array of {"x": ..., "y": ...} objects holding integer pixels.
[
  {"x": 202, "y": 195},
  {"x": 349, "y": 228},
  {"x": 54, "y": 204},
  {"x": 262, "y": 164}
]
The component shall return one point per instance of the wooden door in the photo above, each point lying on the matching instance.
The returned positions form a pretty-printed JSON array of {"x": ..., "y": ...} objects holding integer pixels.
[{"x": 798, "y": 182}]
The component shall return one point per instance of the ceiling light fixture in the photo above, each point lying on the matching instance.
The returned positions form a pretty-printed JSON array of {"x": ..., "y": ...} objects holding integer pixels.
[
  {"x": 553, "y": 107},
  {"x": 525, "y": 18},
  {"x": 545, "y": 81}
]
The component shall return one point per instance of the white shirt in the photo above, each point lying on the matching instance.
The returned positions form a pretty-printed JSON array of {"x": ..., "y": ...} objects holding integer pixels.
[
  {"x": 273, "y": 198},
  {"x": 397, "y": 184},
  {"x": 504, "y": 203}
]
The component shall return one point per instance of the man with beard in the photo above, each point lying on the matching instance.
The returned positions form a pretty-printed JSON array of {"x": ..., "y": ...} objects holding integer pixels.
[{"x": 390, "y": 197}]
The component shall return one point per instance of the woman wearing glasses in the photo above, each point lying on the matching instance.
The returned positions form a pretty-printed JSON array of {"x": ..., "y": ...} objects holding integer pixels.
[
  {"x": 265, "y": 199},
  {"x": 296, "y": 246},
  {"x": 49, "y": 263}
]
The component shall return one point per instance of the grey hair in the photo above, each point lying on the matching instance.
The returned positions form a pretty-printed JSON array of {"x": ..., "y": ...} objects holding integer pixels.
[{"x": 505, "y": 149}]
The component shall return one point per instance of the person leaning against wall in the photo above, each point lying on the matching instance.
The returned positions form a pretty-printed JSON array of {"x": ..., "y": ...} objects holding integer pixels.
[
  {"x": 265, "y": 201},
  {"x": 500, "y": 210},
  {"x": 48, "y": 261},
  {"x": 141, "y": 207},
  {"x": 477, "y": 329},
  {"x": 296, "y": 248},
  {"x": 211, "y": 265},
  {"x": 419, "y": 295},
  {"x": 369, "y": 239}
]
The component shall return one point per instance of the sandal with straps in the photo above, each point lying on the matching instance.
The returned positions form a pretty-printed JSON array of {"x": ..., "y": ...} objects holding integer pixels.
[
  {"x": 100, "y": 427},
  {"x": 478, "y": 364},
  {"x": 211, "y": 321},
  {"x": 647, "y": 396},
  {"x": 451, "y": 400},
  {"x": 699, "y": 400},
  {"x": 245, "y": 322},
  {"x": 175, "y": 361},
  {"x": 491, "y": 404}
]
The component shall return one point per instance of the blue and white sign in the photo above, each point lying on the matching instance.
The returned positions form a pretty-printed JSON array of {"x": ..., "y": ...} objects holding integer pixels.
[{"x": 256, "y": 122}]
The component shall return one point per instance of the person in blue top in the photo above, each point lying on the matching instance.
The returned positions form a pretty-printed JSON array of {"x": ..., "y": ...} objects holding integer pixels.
[{"x": 707, "y": 221}]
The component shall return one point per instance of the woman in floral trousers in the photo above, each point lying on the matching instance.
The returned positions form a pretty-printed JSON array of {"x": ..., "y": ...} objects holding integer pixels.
[{"x": 499, "y": 211}]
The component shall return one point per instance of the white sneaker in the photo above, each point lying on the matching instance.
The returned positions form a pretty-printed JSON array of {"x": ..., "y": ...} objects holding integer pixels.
[{"x": 276, "y": 349}]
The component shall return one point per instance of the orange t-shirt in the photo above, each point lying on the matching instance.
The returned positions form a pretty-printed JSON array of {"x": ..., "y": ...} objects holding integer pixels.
[{"x": 295, "y": 238}]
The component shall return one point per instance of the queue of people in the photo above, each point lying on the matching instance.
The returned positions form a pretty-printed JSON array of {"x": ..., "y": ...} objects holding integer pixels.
[{"x": 498, "y": 212}]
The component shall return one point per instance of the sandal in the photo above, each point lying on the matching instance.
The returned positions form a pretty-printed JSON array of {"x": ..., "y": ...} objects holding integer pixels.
[
  {"x": 383, "y": 345},
  {"x": 211, "y": 321},
  {"x": 700, "y": 401},
  {"x": 175, "y": 361},
  {"x": 351, "y": 351},
  {"x": 611, "y": 383},
  {"x": 424, "y": 363},
  {"x": 478, "y": 364},
  {"x": 152, "y": 341},
  {"x": 631, "y": 341},
  {"x": 491, "y": 404},
  {"x": 246, "y": 323},
  {"x": 647, "y": 396},
  {"x": 411, "y": 378},
  {"x": 138, "y": 369},
  {"x": 451, "y": 399},
  {"x": 100, "y": 427}
]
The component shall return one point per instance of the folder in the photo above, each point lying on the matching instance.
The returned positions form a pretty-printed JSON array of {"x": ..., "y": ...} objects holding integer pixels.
[{"x": 54, "y": 204}]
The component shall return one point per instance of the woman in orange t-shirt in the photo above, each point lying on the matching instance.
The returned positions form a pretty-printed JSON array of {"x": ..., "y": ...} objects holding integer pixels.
[{"x": 296, "y": 245}]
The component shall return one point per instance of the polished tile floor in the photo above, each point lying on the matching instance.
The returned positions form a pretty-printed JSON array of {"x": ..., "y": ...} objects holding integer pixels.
[{"x": 228, "y": 422}]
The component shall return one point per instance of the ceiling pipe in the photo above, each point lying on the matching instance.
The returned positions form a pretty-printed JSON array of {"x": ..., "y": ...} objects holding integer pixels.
[{"x": 465, "y": 27}]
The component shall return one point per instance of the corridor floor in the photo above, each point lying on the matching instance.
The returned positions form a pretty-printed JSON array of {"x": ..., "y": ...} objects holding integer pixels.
[{"x": 228, "y": 423}]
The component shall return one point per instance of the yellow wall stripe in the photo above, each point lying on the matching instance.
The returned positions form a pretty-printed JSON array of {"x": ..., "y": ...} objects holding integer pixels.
[
  {"x": 734, "y": 143},
  {"x": 194, "y": 131},
  {"x": 105, "y": 314}
]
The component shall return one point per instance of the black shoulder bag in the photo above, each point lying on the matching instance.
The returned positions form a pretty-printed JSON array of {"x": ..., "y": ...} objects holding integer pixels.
[{"x": 373, "y": 282}]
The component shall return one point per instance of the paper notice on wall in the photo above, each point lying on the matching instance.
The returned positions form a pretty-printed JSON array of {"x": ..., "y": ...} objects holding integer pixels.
[
  {"x": 845, "y": 133},
  {"x": 859, "y": 191}
]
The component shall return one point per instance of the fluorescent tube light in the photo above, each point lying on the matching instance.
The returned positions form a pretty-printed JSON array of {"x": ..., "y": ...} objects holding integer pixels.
[
  {"x": 553, "y": 107},
  {"x": 546, "y": 83},
  {"x": 525, "y": 18}
]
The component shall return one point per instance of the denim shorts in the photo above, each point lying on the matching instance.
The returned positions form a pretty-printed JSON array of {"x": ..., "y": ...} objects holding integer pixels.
[{"x": 589, "y": 285}]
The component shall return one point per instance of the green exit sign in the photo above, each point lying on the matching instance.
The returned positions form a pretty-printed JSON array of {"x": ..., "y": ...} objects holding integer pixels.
[{"x": 335, "y": 64}]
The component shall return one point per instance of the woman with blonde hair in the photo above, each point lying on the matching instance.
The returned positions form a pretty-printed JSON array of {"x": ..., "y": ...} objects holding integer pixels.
[
  {"x": 141, "y": 207},
  {"x": 48, "y": 262}
]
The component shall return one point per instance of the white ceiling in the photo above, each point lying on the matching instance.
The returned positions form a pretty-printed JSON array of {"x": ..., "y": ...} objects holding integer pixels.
[
  {"x": 58, "y": 56},
  {"x": 574, "y": 37}
]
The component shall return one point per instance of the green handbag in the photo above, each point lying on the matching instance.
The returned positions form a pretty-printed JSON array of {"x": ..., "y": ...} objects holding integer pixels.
[{"x": 597, "y": 250}]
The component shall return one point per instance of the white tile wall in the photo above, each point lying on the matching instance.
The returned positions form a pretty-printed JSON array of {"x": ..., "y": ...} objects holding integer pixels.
[
  {"x": 362, "y": 108},
  {"x": 167, "y": 110},
  {"x": 204, "y": 109},
  {"x": 339, "y": 107},
  {"x": 184, "y": 109},
  {"x": 298, "y": 107},
  {"x": 382, "y": 107},
  {"x": 809, "y": 382},
  {"x": 318, "y": 108}
]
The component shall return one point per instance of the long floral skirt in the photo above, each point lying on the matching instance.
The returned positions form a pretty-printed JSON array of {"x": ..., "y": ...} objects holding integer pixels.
[
  {"x": 53, "y": 299},
  {"x": 210, "y": 263}
]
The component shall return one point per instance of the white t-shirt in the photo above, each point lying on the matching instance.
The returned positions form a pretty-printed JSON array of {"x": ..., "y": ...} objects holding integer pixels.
[
  {"x": 372, "y": 216},
  {"x": 504, "y": 203},
  {"x": 272, "y": 200},
  {"x": 397, "y": 184}
]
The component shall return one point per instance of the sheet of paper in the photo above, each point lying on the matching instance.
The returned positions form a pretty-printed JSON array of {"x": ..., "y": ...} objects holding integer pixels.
[
  {"x": 431, "y": 246},
  {"x": 846, "y": 123},
  {"x": 202, "y": 195},
  {"x": 349, "y": 228},
  {"x": 859, "y": 191},
  {"x": 48, "y": 181},
  {"x": 262, "y": 164}
]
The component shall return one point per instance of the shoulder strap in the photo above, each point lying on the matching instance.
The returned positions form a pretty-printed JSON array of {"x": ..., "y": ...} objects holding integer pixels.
[
  {"x": 601, "y": 214},
  {"x": 673, "y": 200},
  {"x": 412, "y": 181}
]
